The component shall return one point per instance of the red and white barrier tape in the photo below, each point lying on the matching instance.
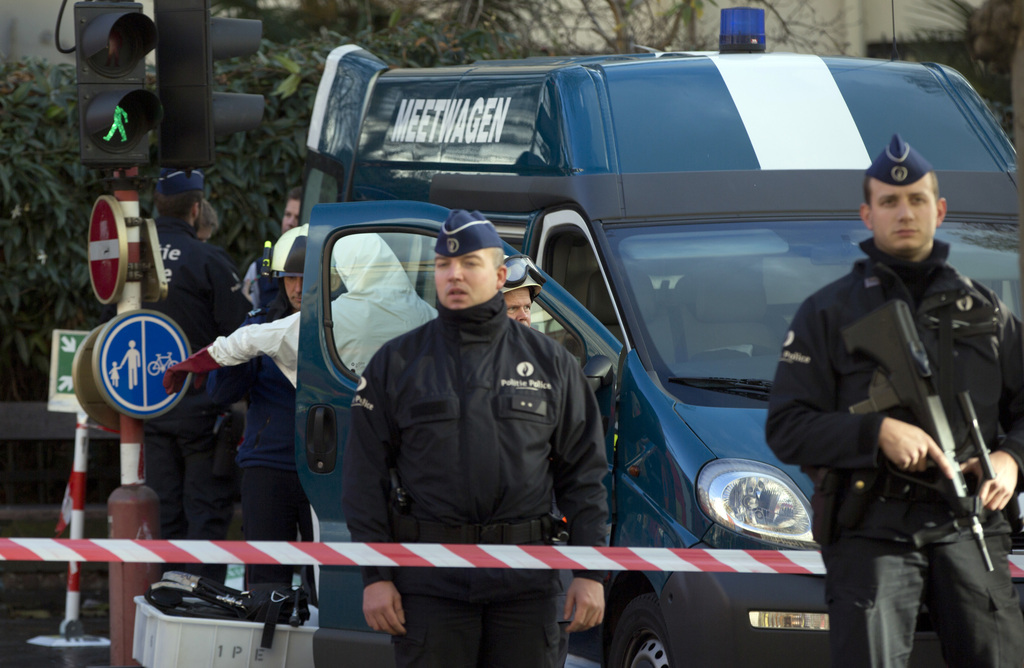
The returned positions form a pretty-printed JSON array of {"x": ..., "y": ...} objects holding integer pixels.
[{"x": 801, "y": 562}]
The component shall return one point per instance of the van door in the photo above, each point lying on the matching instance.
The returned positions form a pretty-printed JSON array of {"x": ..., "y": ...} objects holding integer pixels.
[
  {"x": 369, "y": 269},
  {"x": 335, "y": 122}
]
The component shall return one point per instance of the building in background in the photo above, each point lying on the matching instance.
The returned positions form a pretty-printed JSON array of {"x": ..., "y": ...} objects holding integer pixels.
[{"x": 850, "y": 27}]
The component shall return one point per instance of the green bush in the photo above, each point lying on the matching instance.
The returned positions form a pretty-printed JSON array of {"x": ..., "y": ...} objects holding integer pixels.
[
  {"x": 46, "y": 195},
  {"x": 45, "y": 200}
]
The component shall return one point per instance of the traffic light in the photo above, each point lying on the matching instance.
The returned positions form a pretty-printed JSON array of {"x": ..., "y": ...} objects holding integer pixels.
[
  {"x": 115, "y": 111},
  {"x": 190, "y": 40}
]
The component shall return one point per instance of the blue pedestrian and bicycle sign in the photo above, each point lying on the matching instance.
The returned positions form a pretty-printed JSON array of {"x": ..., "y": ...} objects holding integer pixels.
[{"x": 131, "y": 355}]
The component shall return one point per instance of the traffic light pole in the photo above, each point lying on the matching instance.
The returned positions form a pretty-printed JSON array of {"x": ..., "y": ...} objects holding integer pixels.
[
  {"x": 116, "y": 115},
  {"x": 133, "y": 509}
]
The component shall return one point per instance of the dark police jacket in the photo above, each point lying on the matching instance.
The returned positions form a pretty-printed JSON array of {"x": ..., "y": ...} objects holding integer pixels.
[
  {"x": 484, "y": 417},
  {"x": 269, "y": 438},
  {"x": 204, "y": 296},
  {"x": 816, "y": 381}
]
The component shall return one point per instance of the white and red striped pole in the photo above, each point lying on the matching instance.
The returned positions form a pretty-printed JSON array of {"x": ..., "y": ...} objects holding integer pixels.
[
  {"x": 133, "y": 509},
  {"x": 72, "y": 634},
  {"x": 71, "y": 626}
]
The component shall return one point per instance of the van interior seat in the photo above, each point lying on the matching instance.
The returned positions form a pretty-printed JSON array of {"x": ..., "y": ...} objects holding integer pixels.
[
  {"x": 728, "y": 316},
  {"x": 656, "y": 314},
  {"x": 599, "y": 303}
]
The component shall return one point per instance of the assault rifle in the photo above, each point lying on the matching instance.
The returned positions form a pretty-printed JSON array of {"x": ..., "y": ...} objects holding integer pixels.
[{"x": 888, "y": 336}]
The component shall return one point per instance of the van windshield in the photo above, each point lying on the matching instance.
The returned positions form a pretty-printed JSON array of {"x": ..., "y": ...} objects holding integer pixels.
[{"x": 714, "y": 302}]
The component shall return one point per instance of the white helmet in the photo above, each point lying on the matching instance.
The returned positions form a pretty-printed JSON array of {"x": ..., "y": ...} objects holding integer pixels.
[
  {"x": 290, "y": 253},
  {"x": 523, "y": 273}
]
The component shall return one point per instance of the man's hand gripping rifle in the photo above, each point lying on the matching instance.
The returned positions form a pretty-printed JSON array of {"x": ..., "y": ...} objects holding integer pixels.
[{"x": 888, "y": 336}]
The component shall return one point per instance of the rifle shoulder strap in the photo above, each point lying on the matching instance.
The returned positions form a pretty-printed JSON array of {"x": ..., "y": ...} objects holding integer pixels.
[{"x": 945, "y": 368}]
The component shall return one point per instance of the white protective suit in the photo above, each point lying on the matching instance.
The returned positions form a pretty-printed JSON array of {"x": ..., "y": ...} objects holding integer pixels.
[
  {"x": 278, "y": 339},
  {"x": 379, "y": 304}
]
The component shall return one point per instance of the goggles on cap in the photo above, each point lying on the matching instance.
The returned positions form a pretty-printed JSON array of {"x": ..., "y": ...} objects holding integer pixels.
[{"x": 522, "y": 273}]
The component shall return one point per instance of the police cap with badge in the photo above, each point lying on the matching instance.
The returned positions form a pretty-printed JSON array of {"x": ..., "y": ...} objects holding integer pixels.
[
  {"x": 464, "y": 232},
  {"x": 899, "y": 164}
]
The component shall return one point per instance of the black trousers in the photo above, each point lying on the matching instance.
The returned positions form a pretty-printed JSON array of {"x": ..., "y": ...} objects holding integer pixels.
[
  {"x": 274, "y": 507},
  {"x": 195, "y": 504},
  {"x": 447, "y": 633},
  {"x": 875, "y": 589}
]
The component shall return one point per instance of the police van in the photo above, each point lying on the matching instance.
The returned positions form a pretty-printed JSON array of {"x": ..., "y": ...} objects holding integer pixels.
[{"x": 682, "y": 205}]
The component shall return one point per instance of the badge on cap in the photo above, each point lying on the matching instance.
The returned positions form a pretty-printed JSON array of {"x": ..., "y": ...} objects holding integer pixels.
[
  {"x": 899, "y": 164},
  {"x": 464, "y": 232}
]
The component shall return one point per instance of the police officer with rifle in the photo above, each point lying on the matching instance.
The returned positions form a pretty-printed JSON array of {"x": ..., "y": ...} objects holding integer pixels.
[{"x": 894, "y": 384}]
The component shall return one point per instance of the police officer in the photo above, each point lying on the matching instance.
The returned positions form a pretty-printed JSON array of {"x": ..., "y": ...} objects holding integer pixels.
[
  {"x": 274, "y": 505},
  {"x": 476, "y": 420},
  {"x": 204, "y": 297},
  {"x": 877, "y": 575}
]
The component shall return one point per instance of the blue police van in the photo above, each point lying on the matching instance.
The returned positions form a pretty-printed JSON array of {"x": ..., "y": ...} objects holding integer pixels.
[{"x": 682, "y": 205}]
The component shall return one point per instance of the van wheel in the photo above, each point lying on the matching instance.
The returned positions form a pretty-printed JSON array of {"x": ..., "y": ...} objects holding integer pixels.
[{"x": 640, "y": 638}]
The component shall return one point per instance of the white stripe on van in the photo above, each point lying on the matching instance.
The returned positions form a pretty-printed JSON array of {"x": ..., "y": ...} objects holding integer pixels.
[
  {"x": 323, "y": 94},
  {"x": 793, "y": 112}
]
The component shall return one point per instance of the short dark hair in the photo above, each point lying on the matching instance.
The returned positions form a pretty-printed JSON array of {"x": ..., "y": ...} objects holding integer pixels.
[
  {"x": 295, "y": 193},
  {"x": 179, "y": 205}
]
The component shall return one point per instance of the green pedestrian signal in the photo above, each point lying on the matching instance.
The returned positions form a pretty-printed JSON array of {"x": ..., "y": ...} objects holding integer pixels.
[{"x": 120, "y": 118}]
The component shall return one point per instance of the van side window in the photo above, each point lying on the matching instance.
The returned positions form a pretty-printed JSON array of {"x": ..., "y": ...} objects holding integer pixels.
[
  {"x": 382, "y": 285},
  {"x": 324, "y": 181},
  {"x": 570, "y": 260},
  {"x": 546, "y": 323}
]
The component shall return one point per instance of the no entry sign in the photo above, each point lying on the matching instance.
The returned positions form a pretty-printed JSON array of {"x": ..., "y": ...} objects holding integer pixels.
[{"x": 108, "y": 249}]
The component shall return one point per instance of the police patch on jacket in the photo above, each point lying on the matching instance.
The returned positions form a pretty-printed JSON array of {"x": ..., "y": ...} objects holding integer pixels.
[
  {"x": 791, "y": 356},
  {"x": 525, "y": 370},
  {"x": 358, "y": 400}
]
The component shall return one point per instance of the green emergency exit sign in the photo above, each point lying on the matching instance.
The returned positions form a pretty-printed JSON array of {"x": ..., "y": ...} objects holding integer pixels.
[{"x": 62, "y": 353}]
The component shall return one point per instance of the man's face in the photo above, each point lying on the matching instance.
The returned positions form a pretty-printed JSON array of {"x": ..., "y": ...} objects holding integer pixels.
[
  {"x": 293, "y": 288},
  {"x": 291, "y": 215},
  {"x": 904, "y": 218},
  {"x": 518, "y": 304},
  {"x": 468, "y": 280}
]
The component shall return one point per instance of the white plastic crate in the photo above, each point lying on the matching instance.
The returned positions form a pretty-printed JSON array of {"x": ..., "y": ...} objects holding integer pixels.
[{"x": 166, "y": 641}]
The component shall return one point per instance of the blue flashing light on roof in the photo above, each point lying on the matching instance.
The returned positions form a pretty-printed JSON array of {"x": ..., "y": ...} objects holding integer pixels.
[{"x": 742, "y": 30}]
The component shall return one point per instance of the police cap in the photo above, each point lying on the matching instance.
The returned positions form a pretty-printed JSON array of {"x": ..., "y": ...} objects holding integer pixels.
[
  {"x": 464, "y": 232},
  {"x": 174, "y": 181},
  {"x": 899, "y": 164}
]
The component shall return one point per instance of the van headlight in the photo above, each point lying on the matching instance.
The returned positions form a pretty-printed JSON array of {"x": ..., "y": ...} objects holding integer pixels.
[{"x": 757, "y": 500}]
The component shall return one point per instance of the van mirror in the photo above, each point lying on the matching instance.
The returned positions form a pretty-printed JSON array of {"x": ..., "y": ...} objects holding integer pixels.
[{"x": 598, "y": 371}]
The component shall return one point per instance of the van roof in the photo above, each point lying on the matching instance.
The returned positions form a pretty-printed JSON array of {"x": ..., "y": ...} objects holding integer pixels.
[{"x": 657, "y": 113}]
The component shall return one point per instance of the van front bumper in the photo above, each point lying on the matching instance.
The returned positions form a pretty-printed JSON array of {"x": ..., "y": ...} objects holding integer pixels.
[{"x": 709, "y": 622}]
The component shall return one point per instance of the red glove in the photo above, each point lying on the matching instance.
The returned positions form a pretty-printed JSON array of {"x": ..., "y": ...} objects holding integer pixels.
[{"x": 199, "y": 363}]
